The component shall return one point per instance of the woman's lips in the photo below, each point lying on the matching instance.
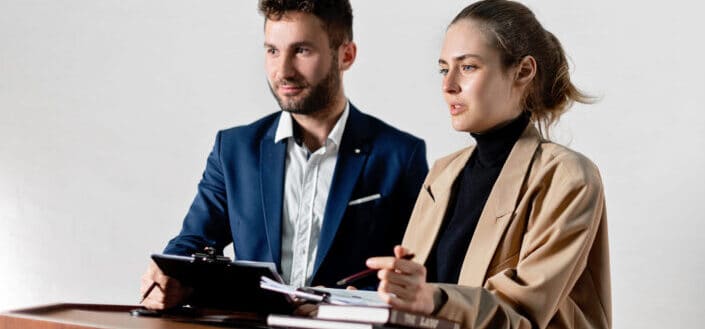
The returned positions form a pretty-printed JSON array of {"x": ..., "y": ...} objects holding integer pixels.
[{"x": 456, "y": 109}]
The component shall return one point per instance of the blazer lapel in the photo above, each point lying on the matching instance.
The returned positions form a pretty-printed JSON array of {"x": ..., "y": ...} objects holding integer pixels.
[
  {"x": 352, "y": 154},
  {"x": 431, "y": 207},
  {"x": 498, "y": 210},
  {"x": 271, "y": 171}
]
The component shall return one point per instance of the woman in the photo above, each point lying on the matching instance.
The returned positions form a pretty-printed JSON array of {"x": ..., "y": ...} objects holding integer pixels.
[{"x": 512, "y": 231}]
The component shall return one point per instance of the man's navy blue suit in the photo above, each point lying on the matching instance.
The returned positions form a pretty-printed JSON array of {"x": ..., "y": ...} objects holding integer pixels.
[{"x": 240, "y": 196}]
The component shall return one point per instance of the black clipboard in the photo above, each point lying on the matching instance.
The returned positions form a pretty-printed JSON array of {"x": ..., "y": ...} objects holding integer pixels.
[{"x": 220, "y": 283}]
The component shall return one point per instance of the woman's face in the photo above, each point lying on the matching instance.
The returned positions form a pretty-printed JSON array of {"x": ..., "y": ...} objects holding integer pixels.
[{"x": 480, "y": 93}]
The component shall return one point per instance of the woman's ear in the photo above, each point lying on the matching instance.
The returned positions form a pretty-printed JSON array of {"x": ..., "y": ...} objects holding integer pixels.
[
  {"x": 346, "y": 55},
  {"x": 526, "y": 70}
]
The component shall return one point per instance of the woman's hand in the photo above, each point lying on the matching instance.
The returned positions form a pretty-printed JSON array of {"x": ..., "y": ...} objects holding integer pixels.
[{"x": 403, "y": 282}]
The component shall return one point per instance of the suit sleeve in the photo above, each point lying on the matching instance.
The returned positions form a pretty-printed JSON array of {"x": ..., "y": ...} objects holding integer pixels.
[
  {"x": 413, "y": 177},
  {"x": 566, "y": 210},
  {"x": 206, "y": 223}
]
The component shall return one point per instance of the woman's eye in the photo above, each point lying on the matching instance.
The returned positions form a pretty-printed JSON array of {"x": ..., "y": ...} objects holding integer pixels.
[{"x": 468, "y": 68}]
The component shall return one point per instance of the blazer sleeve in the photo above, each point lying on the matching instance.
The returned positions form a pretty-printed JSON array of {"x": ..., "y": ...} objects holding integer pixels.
[
  {"x": 567, "y": 206},
  {"x": 206, "y": 223}
]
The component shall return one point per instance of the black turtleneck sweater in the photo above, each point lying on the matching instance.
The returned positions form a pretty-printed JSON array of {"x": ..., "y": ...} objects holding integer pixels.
[{"x": 469, "y": 195}]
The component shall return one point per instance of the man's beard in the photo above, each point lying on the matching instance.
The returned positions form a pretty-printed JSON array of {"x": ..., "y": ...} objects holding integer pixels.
[{"x": 321, "y": 95}]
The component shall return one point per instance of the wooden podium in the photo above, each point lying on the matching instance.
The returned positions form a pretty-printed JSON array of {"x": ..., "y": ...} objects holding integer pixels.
[{"x": 87, "y": 316}]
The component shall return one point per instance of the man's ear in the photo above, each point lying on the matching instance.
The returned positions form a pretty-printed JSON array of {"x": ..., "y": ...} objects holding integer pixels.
[
  {"x": 526, "y": 71},
  {"x": 347, "y": 52}
]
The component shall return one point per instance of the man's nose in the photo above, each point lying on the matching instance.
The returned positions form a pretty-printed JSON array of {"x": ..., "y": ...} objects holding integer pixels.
[{"x": 286, "y": 68}]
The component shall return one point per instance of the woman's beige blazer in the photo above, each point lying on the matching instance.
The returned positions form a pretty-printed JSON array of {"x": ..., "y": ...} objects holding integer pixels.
[{"x": 539, "y": 256}]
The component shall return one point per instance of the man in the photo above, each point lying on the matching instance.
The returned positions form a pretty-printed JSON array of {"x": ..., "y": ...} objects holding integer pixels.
[{"x": 316, "y": 188}]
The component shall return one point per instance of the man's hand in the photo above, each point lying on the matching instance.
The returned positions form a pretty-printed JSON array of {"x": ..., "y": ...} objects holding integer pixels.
[
  {"x": 305, "y": 309},
  {"x": 167, "y": 293}
]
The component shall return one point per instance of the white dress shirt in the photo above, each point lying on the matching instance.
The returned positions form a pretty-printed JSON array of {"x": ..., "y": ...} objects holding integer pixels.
[{"x": 307, "y": 181}]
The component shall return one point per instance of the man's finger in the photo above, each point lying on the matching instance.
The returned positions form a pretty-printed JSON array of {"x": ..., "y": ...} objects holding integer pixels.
[
  {"x": 144, "y": 286},
  {"x": 153, "y": 304},
  {"x": 307, "y": 309},
  {"x": 157, "y": 294}
]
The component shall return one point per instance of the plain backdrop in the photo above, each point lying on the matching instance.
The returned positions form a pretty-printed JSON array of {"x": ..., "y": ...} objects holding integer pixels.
[{"x": 109, "y": 108}]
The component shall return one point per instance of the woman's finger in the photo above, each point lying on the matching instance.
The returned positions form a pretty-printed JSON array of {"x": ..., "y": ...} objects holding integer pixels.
[
  {"x": 398, "y": 303},
  {"x": 379, "y": 263},
  {"x": 392, "y": 263},
  {"x": 401, "y": 279},
  {"x": 400, "y": 252},
  {"x": 395, "y": 289}
]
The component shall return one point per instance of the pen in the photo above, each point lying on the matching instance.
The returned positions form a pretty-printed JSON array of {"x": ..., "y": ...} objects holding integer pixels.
[
  {"x": 365, "y": 273},
  {"x": 149, "y": 290}
]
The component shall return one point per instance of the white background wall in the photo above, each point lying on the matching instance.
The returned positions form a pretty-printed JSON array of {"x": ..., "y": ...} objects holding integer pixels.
[{"x": 109, "y": 108}]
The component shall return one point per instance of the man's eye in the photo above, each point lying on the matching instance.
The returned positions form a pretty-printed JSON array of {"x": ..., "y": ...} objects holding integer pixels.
[
  {"x": 468, "y": 68},
  {"x": 271, "y": 51},
  {"x": 443, "y": 71},
  {"x": 302, "y": 50}
]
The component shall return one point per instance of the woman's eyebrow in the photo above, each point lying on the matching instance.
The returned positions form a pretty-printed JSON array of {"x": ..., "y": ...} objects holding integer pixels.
[{"x": 460, "y": 58}]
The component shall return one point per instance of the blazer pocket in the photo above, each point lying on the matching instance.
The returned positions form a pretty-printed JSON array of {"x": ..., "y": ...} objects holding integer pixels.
[{"x": 365, "y": 199}]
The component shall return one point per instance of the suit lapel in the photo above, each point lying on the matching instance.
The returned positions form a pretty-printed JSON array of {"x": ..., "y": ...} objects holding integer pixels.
[
  {"x": 498, "y": 210},
  {"x": 352, "y": 154},
  {"x": 431, "y": 208},
  {"x": 271, "y": 171}
]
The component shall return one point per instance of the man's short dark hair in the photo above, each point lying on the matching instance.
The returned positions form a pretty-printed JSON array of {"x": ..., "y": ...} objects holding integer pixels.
[{"x": 336, "y": 15}]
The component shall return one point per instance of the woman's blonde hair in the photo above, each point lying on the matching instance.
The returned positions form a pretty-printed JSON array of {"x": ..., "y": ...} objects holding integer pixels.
[{"x": 514, "y": 30}]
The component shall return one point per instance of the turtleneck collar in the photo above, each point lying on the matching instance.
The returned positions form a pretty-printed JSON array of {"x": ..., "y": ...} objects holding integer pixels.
[{"x": 493, "y": 147}]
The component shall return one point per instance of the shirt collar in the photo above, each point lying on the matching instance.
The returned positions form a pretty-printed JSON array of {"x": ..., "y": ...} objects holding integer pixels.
[{"x": 285, "y": 129}]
